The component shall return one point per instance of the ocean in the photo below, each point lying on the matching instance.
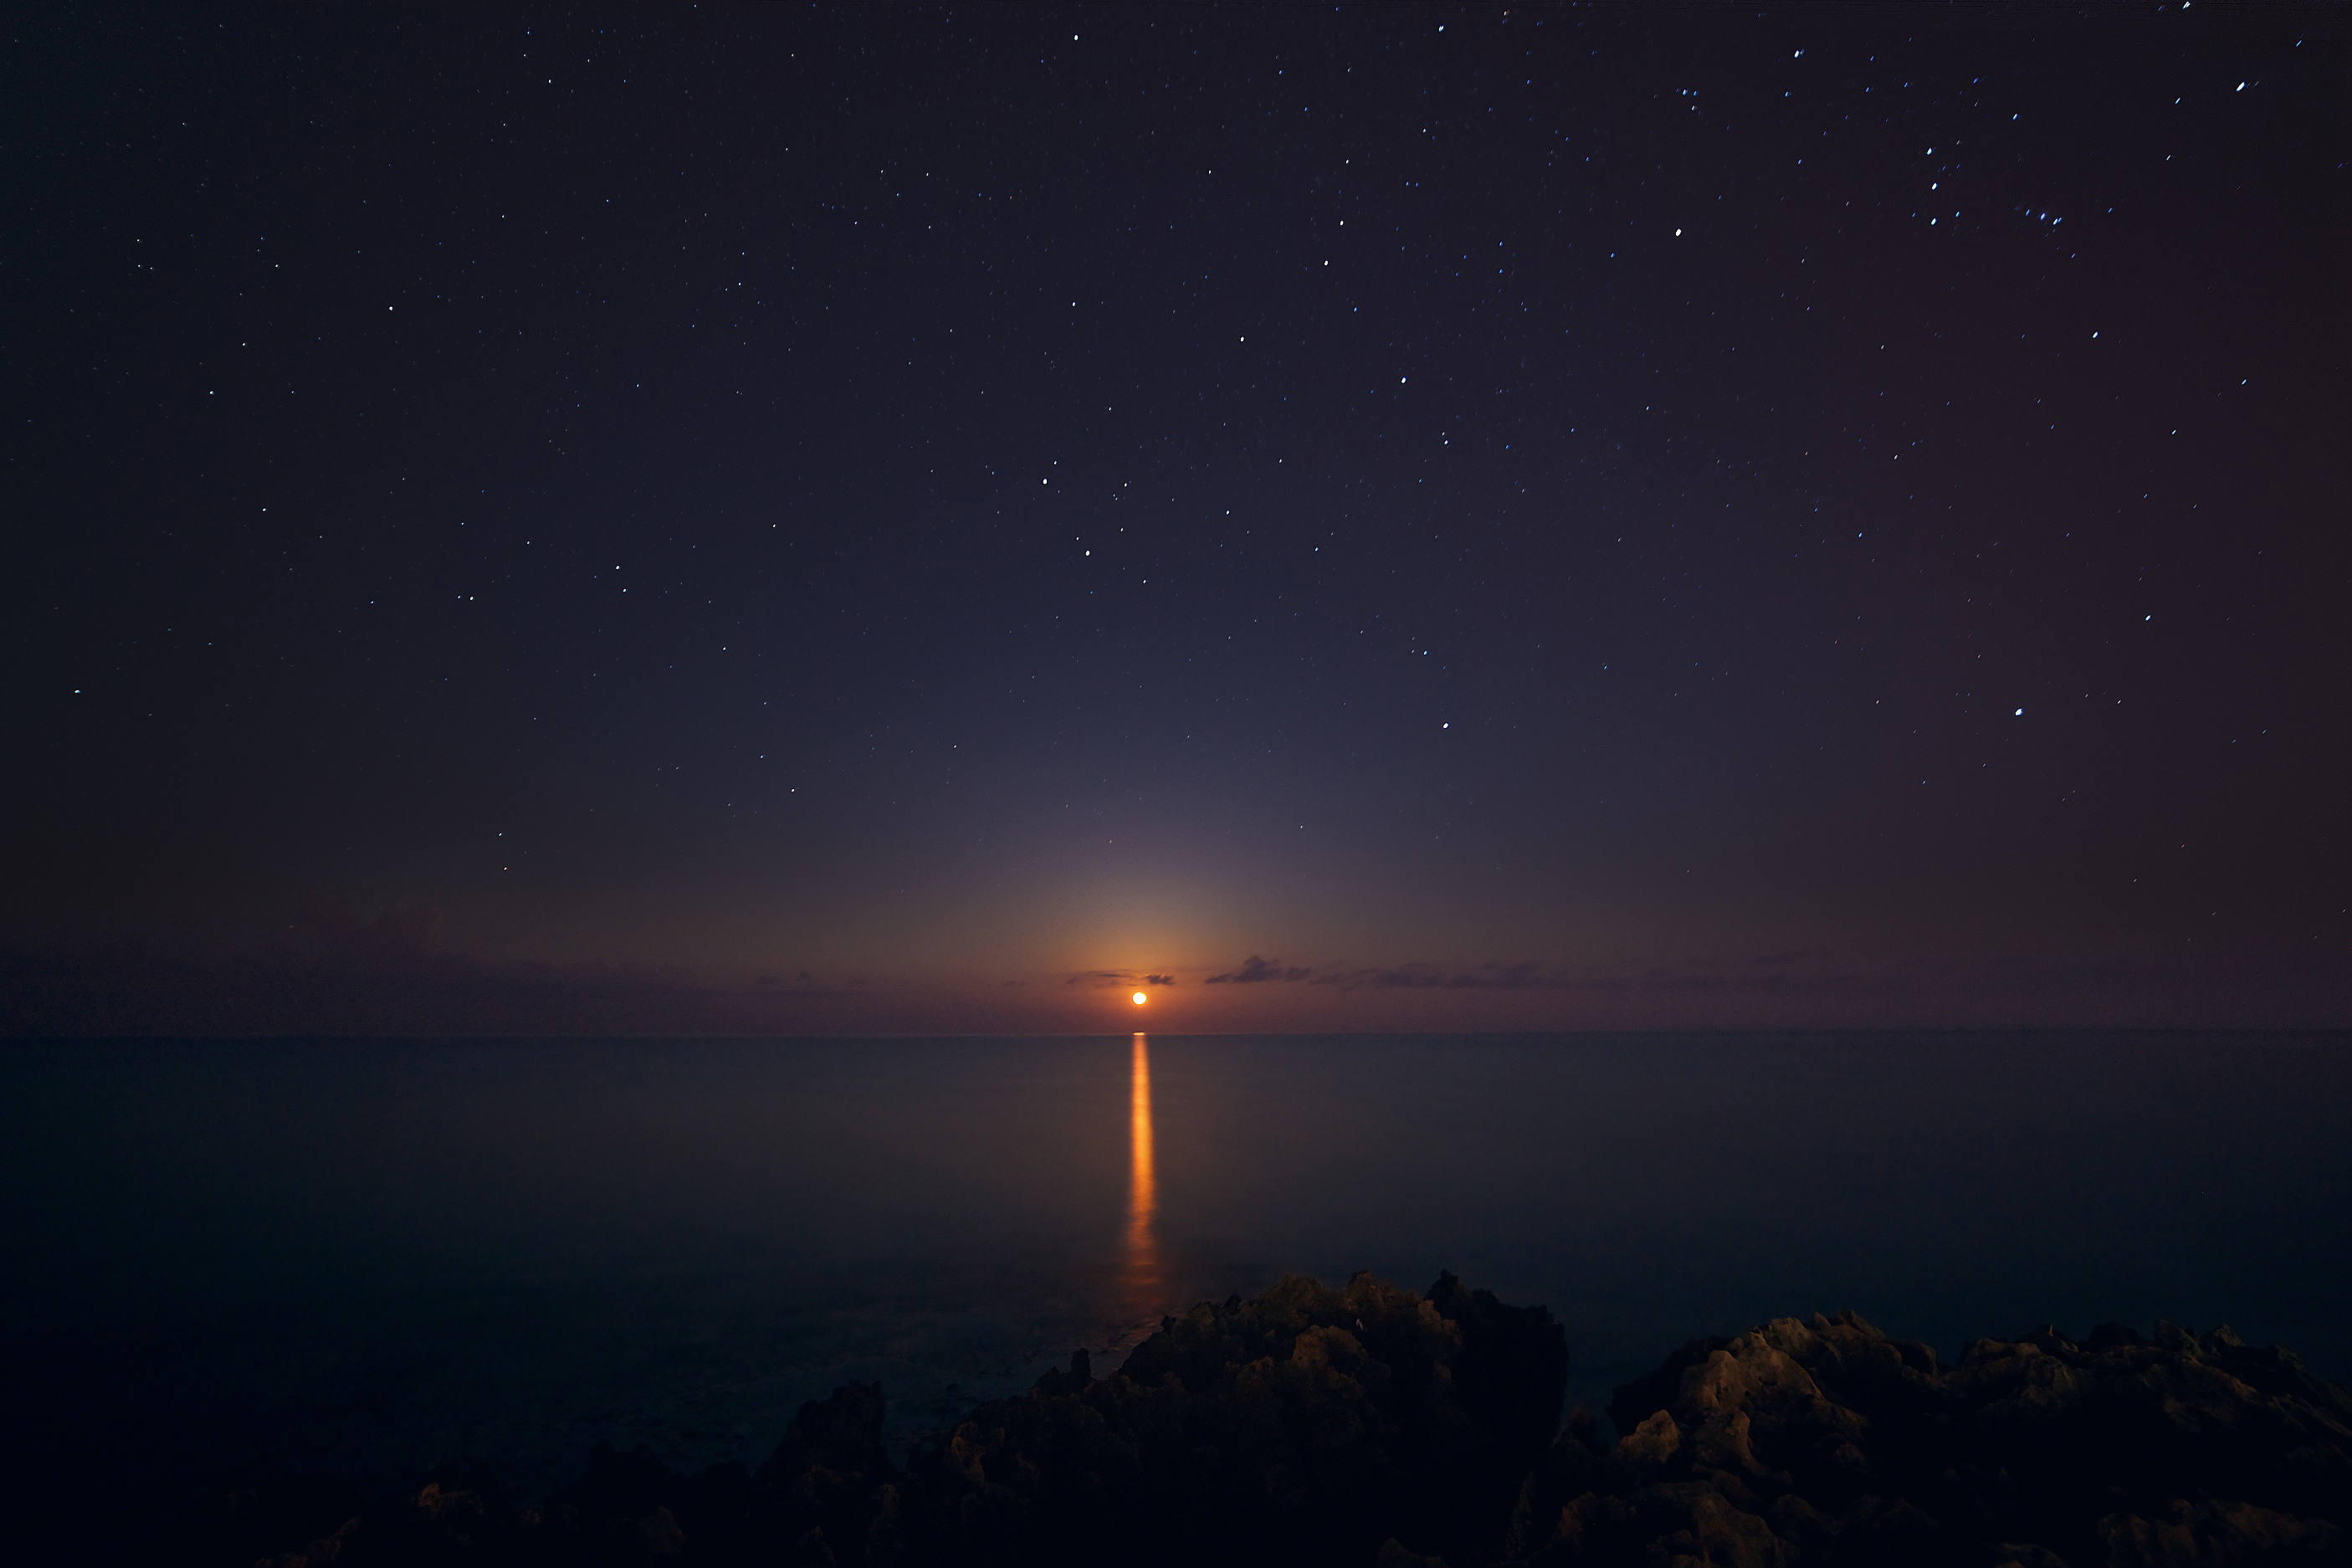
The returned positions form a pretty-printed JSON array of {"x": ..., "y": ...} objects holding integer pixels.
[{"x": 237, "y": 1258}]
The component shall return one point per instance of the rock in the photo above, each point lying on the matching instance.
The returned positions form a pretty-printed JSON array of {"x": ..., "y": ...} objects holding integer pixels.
[
  {"x": 2013, "y": 1554},
  {"x": 2219, "y": 1533},
  {"x": 1825, "y": 1441},
  {"x": 1372, "y": 1427},
  {"x": 1649, "y": 1447},
  {"x": 821, "y": 1495},
  {"x": 1306, "y": 1427},
  {"x": 842, "y": 1433}
]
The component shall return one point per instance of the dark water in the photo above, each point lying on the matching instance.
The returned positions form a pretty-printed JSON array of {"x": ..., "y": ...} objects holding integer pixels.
[{"x": 372, "y": 1257}]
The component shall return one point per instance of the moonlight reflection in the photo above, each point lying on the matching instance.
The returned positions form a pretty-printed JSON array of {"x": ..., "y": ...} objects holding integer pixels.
[{"x": 1143, "y": 1200}]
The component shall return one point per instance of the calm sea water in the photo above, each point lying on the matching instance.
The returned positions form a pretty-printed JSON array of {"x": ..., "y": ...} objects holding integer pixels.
[{"x": 374, "y": 1257}]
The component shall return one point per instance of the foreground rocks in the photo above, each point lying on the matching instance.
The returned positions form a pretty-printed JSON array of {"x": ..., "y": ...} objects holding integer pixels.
[
  {"x": 1828, "y": 1442},
  {"x": 1373, "y": 1427}
]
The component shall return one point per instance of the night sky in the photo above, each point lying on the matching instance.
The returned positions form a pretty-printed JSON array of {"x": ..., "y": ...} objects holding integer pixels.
[{"x": 865, "y": 518}]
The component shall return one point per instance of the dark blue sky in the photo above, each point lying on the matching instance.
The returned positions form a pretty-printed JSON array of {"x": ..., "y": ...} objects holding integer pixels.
[{"x": 917, "y": 517}]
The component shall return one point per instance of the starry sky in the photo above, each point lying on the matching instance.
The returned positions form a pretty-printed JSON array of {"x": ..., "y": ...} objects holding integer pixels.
[{"x": 935, "y": 518}]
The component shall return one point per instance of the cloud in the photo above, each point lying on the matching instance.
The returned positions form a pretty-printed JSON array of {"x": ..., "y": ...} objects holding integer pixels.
[
  {"x": 1117, "y": 979},
  {"x": 1254, "y": 969},
  {"x": 1508, "y": 975},
  {"x": 1535, "y": 974},
  {"x": 1526, "y": 974}
]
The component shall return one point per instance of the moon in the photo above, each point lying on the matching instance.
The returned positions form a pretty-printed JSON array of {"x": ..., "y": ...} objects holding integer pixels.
[{"x": 1139, "y": 998}]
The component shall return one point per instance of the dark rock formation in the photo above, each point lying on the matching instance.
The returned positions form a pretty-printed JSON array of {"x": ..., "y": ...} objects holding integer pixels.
[
  {"x": 1828, "y": 1442},
  {"x": 1305, "y": 1426},
  {"x": 1370, "y": 1427}
]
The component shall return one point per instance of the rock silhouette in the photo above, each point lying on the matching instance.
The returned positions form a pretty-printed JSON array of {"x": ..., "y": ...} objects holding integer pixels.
[
  {"x": 1373, "y": 1427},
  {"x": 1305, "y": 1426},
  {"x": 1828, "y": 1442}
]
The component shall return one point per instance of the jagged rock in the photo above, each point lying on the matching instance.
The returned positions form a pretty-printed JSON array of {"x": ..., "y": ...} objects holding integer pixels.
[
  {"x": 1305, "y": 1426},
  {"x": 841, "y": 1432},
  {"x": 1370, "y": 1427},
  {"x": 820, "y": 1498},
  {"x": 2220, "y": 1534},
  {"x": 1827, "y": 1442}
]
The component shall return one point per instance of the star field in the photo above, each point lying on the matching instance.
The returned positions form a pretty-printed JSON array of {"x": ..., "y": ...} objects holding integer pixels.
[{"x": 1727, "y": 518}]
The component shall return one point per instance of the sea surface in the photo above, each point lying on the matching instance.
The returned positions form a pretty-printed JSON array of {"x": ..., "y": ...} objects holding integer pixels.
[{"x": 234, "y": 1258}]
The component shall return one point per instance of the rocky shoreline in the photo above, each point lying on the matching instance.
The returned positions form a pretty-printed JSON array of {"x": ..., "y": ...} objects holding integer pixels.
[{"x": 1371, "y": 1427}]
